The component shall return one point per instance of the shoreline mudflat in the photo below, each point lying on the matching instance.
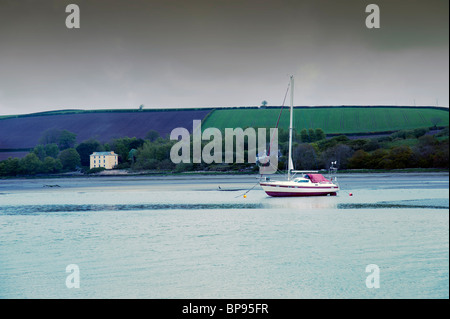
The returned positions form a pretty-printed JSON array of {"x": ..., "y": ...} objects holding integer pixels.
[{"x": 213, "y": 181}]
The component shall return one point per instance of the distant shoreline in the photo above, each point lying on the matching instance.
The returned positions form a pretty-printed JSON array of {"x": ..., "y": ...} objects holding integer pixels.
[{"x": 126, "y": 173}]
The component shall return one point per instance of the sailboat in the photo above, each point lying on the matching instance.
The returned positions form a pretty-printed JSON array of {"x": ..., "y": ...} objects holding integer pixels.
[{"x": 298, "y": 183}]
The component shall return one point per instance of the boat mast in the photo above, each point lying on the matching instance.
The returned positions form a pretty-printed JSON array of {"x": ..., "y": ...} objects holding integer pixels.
[{"x": 290, "y": 164}]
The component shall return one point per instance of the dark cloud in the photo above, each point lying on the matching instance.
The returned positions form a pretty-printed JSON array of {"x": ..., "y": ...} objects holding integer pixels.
[{"x": 165, "y": 53}]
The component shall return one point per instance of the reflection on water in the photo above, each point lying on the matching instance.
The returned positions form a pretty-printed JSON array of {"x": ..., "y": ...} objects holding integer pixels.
[
  {"x": 301, "y": 203},
  {"x": 199, "y": 203},
  {"x": 30, "y": 209},
  {"x": 435, "y": 203},
  {"x": 315, "y": 203}
]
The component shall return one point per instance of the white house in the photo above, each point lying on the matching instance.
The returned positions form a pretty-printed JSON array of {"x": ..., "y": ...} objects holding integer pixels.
[{"x": 108, "y": 160}]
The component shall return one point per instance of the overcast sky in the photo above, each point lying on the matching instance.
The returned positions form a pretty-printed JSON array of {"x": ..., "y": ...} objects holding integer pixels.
[{"x": 198, "y": 53}]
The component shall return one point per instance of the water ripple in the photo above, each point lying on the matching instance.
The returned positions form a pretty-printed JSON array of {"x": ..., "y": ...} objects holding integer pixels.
[
  {"x": 30, "y": 209},
  {"x": 435, "y": 203}
]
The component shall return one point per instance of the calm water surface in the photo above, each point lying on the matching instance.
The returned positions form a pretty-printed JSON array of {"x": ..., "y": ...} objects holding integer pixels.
[{"x": 184, "y": 237}]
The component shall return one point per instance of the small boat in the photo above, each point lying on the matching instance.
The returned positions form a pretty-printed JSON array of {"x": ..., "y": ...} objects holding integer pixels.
[{"x": 309, "y": 183}]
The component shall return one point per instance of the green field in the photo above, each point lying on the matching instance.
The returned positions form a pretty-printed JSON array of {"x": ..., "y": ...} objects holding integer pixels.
[{"x": 333, "y": 120}]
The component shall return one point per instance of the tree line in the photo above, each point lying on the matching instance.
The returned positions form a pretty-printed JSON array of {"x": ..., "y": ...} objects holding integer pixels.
[
  {"x": 58, "y": 152},
  {"x": 397, "y": 151}
]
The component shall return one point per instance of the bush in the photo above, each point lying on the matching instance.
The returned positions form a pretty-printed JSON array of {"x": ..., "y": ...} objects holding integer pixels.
[
  {"x": 340, "y": 153},
  {"x": 358, "y": 144},
  {"x": 9, "y": 167},
  {"x": 360, "y": 159},
  {"x": 152, "y": 135},
  {"x": 304, "y": 137},
  {"x": 123, "y": 146},
  {"x": 325, "y": 144},
  {"x": 146, "y": 163},
  {"x": 400, "y": 157},
  {"x": 153, "y": 155},
  {"x": 441, "y": 157},
  {"x": 86, "y": 148},
  {"x": 402, "y": 134},
  {"x": 384, "y": 139},
  {"x": 305, "y": 157},
  {"x": 95, "y": 170},
  {"x": 311, "y": 135},
  {"x": 443, "y": 133},
  {"x": 30, "y": 164},
  {"x": 320, "y": 134},
  {"x": 418, "y": 132},
  {"x": 166, "y": 164},
  {"x": 70, "y": 159},
  {"x": 51, "y": 165},
  {"x": 64, "y": 139},
  {"x": 183, "y": 167},
  {"x": 377, "y": 159},
  {"x": 123, "y": 166},
  {"x": 372, "y": 145}
]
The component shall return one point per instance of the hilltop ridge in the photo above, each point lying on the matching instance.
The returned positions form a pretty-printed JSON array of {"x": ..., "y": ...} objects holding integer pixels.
[{"x": 19, "y": 133}]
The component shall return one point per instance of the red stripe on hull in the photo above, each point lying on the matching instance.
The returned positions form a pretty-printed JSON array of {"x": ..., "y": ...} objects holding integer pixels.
[
  {"x": 288, "y": 194},
  {"x": 309, "y": 187}
]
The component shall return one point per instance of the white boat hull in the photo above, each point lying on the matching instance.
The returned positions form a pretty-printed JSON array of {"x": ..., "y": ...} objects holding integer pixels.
[{"x": 286, "y": 189}]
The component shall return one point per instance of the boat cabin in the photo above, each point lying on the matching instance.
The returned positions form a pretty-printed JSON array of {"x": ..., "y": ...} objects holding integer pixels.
[{"x": 311, "y": 178}]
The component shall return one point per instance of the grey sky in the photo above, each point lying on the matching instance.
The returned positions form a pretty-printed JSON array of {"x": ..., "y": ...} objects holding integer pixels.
[{"x": 173, "y": 53}]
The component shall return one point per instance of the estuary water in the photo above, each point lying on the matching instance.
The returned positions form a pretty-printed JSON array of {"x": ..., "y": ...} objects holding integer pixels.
[{"x": 199, "y": 237}]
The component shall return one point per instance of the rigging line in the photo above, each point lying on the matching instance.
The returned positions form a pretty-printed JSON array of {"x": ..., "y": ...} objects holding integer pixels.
[
  {"x": 294, "y": 134},
  {"x": 279, "y": 116},
  {"x": 282, "y": 105},
  {"x": 247, "y": 190}
]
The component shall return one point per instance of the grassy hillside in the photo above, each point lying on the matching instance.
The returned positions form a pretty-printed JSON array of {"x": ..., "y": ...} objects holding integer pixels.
[
  {"x": 19, "y": 133},
  {"x": 79, "y": 111},
  {"x": 24, "y": 131},
  {"x": 333, "y": 120}
]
